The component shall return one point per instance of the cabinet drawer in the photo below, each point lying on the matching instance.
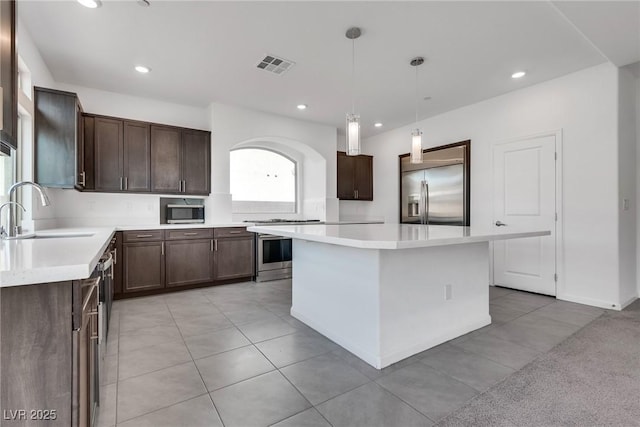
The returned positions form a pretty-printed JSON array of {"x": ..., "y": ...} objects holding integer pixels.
[
  {"x": 231, "y": 232},
  {"x": 142, "y": 235},
  {"x": 189, "y": 233}
]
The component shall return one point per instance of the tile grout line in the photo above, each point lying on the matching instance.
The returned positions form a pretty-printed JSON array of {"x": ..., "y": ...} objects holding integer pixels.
[{"x": 196, "y": 366}]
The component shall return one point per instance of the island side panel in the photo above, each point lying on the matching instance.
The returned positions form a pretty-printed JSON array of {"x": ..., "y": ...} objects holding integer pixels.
[
  {"x": 36, "y": 353},
  {"x": 335, "y": 290},
  {"x": 415, "y": 312}
]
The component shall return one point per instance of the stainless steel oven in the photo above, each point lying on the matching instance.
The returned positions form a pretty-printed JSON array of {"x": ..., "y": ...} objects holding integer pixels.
[{"x": 273, "y": 257}]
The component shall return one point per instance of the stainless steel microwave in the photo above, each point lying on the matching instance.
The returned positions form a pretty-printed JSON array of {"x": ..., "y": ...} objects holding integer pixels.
[{"x": 185, "y": 214}]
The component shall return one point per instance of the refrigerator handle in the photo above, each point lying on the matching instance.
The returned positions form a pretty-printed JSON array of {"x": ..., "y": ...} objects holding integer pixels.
[
  {"x": 426, "y": 199},
  {"x": 424, "y": 202}
]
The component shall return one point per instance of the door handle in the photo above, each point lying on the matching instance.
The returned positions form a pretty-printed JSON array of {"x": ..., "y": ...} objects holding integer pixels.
[
  {"x": 126, "y": 183},
  {"x": 500, "y": 224}
]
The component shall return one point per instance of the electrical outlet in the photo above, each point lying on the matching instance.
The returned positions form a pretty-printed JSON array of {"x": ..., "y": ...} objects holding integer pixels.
[
  {"x": 625, "y": 204},
  {"x": 448, "y": 292}
]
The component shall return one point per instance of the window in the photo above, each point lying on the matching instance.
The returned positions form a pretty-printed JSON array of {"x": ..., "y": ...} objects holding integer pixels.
[{"x": 262, "y": 181}]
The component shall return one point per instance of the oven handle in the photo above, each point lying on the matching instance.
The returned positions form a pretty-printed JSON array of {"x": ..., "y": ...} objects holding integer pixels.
[{"x": 272, "y": 237}]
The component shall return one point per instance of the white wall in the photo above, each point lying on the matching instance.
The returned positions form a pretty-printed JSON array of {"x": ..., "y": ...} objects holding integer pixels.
[
  {"x": 583, "y": 105},
  {"x": 627, "y": 117},
  {"x": 40, "y": 74},
  {"x": 314, "y": 144}
]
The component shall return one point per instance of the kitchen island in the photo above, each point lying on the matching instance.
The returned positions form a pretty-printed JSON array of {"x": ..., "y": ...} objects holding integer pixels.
[{"x": 388, "y": 291}]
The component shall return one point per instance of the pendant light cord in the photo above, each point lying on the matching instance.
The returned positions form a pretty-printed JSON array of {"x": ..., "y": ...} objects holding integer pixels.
[
  {"x": 416, "y": 95},
  {"x": 353, "y": 76}
]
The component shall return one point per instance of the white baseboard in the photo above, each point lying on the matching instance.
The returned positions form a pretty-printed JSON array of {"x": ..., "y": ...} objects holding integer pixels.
[{"x": 609, "y": 305}]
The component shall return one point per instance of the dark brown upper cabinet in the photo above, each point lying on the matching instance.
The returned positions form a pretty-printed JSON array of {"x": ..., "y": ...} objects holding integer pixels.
[
  {"x": 137, "y": 154},
  {"x": 8, "y": 74},
  {"x": 196, "y": 162},
  {"x": 166, "y": 159},
  {"x": 59, "y": 158},
  {"x": 355, "y": 177},
  {"x": 180, "y": 160},
  {"x": 119, "y": 153},
  {"x": 108, "y": 149}
]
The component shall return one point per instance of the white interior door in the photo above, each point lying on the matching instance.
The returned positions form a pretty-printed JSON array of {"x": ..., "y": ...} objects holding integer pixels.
[{"x": 524, "y": 189}]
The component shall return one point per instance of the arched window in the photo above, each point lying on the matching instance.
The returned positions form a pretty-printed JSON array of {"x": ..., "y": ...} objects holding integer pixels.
[{"x": 262, "y": 181}]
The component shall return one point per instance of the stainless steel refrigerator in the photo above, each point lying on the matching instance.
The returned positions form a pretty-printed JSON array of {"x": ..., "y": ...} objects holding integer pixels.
[{"x": 438, "y": 186}]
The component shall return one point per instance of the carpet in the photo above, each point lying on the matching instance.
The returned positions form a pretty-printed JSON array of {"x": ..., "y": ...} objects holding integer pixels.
[{"x": 590, "y": 379}]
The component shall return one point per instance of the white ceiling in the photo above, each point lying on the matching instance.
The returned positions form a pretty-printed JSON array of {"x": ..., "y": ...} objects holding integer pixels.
[{"x": 202, "y": 52}]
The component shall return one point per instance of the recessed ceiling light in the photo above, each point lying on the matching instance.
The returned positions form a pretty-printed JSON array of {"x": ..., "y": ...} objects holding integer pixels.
[
  {"x": 378, "y": 125},
  {"x": 427, "y": 98},
  {"x": 518, "y": 74},
  {"x": 142, "y": 69},
  {"x": 91, "y": 4},
  {"x": 302, "y": 106}
]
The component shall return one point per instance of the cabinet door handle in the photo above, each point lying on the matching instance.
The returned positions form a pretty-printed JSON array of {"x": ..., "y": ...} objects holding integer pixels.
[
  {"x": 83, "y": 180},
  {"x": 215, "y": 244},
  {"x": 190, "y": 234},
  {"x": 115, "y": 255},
  {"x": 162, "y": 249},
  {"x": 184, "y": 185},
  {"x": 211, "y": 245},
  {"x": 121, "y": 184},
  {"x": 126, "y": 183},
  {"x": 142, "y": 236},
  {"x": 235, "y": 232}
]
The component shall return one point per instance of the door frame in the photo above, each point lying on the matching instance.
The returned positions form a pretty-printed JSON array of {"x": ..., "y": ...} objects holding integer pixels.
[{"x": 559, "y": 235}]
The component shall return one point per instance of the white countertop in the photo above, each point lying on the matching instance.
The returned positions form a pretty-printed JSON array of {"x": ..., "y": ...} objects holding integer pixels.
[
  {"x": 394, "y": 236},
  {"x": 54, "y": 259},
  {"x": 74, "y": 257}
]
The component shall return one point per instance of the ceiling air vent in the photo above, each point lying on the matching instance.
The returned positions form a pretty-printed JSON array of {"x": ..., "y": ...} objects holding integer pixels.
[{"x": 275, "y": 65}]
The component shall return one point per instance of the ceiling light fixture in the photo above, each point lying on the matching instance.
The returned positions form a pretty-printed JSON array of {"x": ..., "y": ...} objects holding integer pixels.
[
  {"x": 416, "y": 134},
  {"x": 378, "y": 125},
  {"x": 302, "y": 106},
  {"x": 144, "y": 3},
  {"x": 353, "y": 120},
  {"x": 91, "y": 4},
  {"x": 142, "y": 69},
  {"x": 518, "y": 74}
]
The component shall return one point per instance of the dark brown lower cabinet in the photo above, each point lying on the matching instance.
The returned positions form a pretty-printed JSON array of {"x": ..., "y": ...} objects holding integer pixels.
[
  {"x": 48, "y": 354},
  {"x": 143, "y": 266},
  {"x": 155, "y": 261},
  {"x": 188, "y": 262},
  {"x": 233, "y": 258}
]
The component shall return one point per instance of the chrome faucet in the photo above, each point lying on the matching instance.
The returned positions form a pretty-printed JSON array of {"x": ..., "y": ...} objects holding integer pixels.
[
  {"x": 3, "y": 231},
  {"x": 44, "y": 199}
]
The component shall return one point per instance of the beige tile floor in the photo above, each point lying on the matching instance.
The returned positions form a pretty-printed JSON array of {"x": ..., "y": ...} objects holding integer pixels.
[{"x": 232, "y": 355}]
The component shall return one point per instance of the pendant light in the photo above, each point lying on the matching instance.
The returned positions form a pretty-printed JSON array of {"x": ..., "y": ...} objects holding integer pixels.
[
  {"x": 416, "y": 134},
  {"x": 353, "y": 120}
]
